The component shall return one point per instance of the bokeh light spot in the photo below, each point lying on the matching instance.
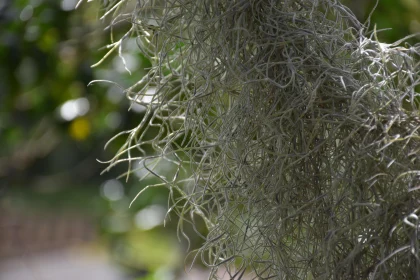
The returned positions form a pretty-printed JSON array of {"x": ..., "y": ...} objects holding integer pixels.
[
  {"x": 32, "y": 33},
  {"x": 74, "y": 108},
  {"x": 150, "y": 217},
  {"x": 26, "y": 13},
  {"x": 79, "y": 129},
  {"x": 68, "y": 5},
  {"x": 113, "y": 120},
  {"x": 112, "y": 190},
  {"x": 146, "y": 98}
]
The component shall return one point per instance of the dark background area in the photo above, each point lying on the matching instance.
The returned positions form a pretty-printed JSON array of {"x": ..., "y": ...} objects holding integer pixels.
[{"x": 53, "y": 129}]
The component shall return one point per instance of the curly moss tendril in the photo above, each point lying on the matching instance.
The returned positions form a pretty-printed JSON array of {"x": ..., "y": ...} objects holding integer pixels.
[{"x": 293, "y": 131}]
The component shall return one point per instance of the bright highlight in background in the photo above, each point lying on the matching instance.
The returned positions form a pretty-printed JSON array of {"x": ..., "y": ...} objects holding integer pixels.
[
  {"x": 68, "y": 5},
  {"x": 147, "y": 98},
  {"x": 112, "y": 190},
  {"x": 150, "y": 217},
  {"x": 74, "y": 108}
]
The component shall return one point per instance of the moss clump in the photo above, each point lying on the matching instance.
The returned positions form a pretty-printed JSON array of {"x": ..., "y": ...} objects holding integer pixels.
[{"x": 294, "y": 134}]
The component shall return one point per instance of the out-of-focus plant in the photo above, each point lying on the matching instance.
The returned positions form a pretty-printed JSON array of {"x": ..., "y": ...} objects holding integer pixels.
[
  {"x": 52, "y": 125},
  {"x": 53, "y": 128},
  {"x": 292, "y": 132},
  {"x": 399, "y": 18}
]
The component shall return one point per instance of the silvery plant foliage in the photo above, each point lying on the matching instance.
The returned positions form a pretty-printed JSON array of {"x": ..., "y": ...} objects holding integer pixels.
[{"x": 289, "y": 129}]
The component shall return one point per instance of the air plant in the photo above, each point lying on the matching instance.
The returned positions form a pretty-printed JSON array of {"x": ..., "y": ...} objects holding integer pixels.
[{"x": 293, "y": 133}]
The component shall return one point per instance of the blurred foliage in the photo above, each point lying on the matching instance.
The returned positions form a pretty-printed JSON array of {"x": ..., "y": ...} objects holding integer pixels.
[
  {"x": 399, "y": 18},
  {"x": 46, "y": 61},
  {"x": 53, "y": 127}
]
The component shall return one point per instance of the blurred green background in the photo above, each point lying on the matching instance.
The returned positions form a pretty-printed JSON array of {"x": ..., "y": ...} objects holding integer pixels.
[{"x": 57, "y": 211}]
